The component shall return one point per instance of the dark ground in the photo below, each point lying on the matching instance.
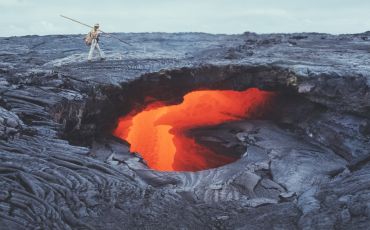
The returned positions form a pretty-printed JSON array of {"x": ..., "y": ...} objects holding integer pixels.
[{"x": 307, "y": 166}]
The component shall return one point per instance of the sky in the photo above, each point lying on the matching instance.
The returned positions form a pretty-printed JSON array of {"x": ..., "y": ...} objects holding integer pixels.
[{"x": 41, "y": 17}]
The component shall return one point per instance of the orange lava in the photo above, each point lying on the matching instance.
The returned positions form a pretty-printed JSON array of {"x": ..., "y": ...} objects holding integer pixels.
[{"x": 158, "y": 132}]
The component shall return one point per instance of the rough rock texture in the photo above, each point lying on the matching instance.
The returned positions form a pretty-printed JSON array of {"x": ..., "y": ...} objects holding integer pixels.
[{"x": 305, "y": 166}]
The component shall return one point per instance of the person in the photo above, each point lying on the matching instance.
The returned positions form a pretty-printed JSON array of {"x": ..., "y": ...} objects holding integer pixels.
[{"x": 92, "y": 39}]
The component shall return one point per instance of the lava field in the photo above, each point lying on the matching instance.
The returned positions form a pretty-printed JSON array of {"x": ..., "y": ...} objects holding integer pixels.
[{"x": 186, "y": 131}]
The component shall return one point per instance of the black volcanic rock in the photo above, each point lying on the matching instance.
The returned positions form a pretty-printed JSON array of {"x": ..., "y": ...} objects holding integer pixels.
[{"x": 304, "y": 166}]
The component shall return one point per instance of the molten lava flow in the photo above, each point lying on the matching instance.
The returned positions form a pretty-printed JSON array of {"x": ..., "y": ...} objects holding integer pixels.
[{"x": 158, "y": 132}]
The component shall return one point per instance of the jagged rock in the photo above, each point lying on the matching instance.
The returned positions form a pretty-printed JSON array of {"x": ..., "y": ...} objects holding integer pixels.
[{"x": 10, "y": 124}]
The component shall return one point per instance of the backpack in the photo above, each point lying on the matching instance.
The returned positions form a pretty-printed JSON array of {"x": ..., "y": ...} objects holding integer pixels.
[{"x": 88, "y": 39}]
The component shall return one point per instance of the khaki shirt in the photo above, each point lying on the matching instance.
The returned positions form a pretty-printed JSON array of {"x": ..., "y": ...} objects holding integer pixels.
[{"x": 94, "y": 34}]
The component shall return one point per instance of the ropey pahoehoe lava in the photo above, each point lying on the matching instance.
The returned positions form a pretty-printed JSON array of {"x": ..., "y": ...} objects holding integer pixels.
[{"x": 158, "y": 132}]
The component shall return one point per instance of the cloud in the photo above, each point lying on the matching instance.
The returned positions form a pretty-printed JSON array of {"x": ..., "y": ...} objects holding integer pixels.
[{"x": 21, "y": 17}]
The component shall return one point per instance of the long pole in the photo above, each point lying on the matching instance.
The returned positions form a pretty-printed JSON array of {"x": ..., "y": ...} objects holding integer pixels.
[{"x": 109, "y": 35}]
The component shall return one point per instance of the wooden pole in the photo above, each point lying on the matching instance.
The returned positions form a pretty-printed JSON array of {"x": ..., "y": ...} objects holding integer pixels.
[{"x": 109, "y": 35}]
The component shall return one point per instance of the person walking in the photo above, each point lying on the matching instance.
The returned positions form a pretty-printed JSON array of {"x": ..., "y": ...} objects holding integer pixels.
[{"x": 92, "y": 39}]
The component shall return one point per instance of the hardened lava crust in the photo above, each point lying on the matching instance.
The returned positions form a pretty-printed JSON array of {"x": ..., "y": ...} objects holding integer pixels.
[{"x": 306, "y": 165}]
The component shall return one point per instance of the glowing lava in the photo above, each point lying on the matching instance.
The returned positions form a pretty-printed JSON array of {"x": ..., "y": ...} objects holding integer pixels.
[{"x": 158, "y": 132}]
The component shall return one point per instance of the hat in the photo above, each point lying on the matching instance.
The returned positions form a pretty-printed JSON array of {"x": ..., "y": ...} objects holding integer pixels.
[{"x": 96, "y": 25}]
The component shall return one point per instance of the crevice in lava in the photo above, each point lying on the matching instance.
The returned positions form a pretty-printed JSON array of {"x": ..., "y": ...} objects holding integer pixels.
[{"x": 112, "y": 108}]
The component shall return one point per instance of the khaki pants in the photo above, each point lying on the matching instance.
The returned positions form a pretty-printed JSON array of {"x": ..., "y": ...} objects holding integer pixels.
[{"x": 94, "y": 44}]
